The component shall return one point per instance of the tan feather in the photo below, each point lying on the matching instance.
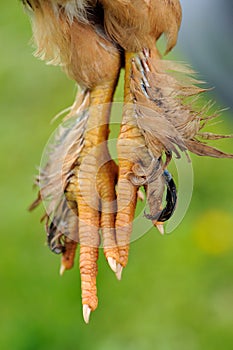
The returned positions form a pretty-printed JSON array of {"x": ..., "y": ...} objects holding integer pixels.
[
  {"x": 61, "y": 39},
  {"x": 169, "y": 118},
  {"x": 168, "y": 122},
  {"x": 138, "y": 23},
  {"x": 57, "y": 181}
]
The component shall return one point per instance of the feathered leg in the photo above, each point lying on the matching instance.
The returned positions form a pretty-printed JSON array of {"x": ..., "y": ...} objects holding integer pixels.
[
  {"x": 96, "y": 176},
  {"x": 127, "y": 193},
  {"x": 79, "y": 181},
  {"x": 131, "y": 146},
  {"x": 157, "y": 121}
]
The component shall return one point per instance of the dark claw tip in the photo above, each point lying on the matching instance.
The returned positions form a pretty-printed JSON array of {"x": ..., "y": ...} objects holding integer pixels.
[{"x": 171, "y": 199}]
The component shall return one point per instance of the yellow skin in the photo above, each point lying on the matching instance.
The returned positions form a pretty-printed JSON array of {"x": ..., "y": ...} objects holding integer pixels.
[
  {"x": 66, "y": 36},
  {"x": 91, "y": 195}
]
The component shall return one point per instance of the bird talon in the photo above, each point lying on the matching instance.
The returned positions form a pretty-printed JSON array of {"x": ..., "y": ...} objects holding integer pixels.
[
  {"x": 87, "y": 38},
  {"x": 86, "y": 313},
  {"x": 119, "y": 270},
  {"x": 62, "y": 269},
  {"x": 113, "y": 264},
  {"x": 140, "y": 195},
  {"x": 160, "y": 227}
]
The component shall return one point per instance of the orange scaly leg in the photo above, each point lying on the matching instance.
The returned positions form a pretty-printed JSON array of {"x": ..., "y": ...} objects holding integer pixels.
[
  {"x": 96, "y": 176},
  {"x": 130, "y": 142}
]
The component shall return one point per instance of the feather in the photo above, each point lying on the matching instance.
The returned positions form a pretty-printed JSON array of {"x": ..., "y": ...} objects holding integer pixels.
[
  {"x": 135, "y": 24},
  {"x": 211, "y": 136},
  {"x": 61, "y": 39},
  {"x": 57, "y": 181},
  {"x": 164, "y": 113},
  {"x": 162, "y": 110},
  {"x": 202, "y": 149}
]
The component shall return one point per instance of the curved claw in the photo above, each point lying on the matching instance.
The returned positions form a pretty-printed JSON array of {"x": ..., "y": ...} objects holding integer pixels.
[
  {"x": 160, "y": 227},
  {"x": 140, "y": 195},
  {"x": 86, "y": 313},
  {"x": 62, "y": 269},
  {"x": 113, "y": 264},
  {"x": 171, "y": 199},
  {"x": 119, "y": 271}
]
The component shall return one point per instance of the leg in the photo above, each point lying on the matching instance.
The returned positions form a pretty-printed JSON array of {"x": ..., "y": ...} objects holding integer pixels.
[
  {"x": 130, "y": 142},
  {"x": 137, "y": 164},
  {"x": 96, "y": 175}
]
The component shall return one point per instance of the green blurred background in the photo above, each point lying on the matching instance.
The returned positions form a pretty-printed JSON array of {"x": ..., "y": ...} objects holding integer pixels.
[{"x": 177, "y": 291}]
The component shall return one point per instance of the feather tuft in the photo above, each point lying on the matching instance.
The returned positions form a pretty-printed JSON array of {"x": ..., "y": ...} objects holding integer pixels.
[
  {"x": 57, "y": 180},
  {"x": 164, "y": 111},
  {"x": 163, "y": 98}
]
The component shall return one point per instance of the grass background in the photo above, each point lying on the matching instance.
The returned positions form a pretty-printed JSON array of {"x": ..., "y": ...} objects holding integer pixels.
[{"x": 177, "y": 291}]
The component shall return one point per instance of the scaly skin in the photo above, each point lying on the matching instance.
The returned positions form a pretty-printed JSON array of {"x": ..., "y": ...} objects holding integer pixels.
[
  {"x": 130, "y": 139},
  {"x": 96, "y": 174},
  {"x": 88, "y": 38},
  {"x": 131, "y": 149},
  {"x": 69, "y": 255}
]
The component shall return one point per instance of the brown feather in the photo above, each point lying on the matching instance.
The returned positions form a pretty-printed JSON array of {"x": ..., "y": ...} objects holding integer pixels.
[
  {"x": 162, "y": 112},
  {"x": 168, "y": 122},
  {"x": 202, "y": 149},
  {"x": 139, "y": 23},
  {"x": 62, "y": 39},
  {"x": 57, "y": 181}
]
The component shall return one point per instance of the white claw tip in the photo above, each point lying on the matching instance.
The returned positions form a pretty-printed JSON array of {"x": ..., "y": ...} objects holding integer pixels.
[
  {"x": 160, "y": 227},
  {"x": 119, "y": 271},
  {"x": 62, "y": 269},
  {"x": 113, "y": 264},
  {"x": 140, "y": 195},
  {"x": 86, "y": 313}
]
